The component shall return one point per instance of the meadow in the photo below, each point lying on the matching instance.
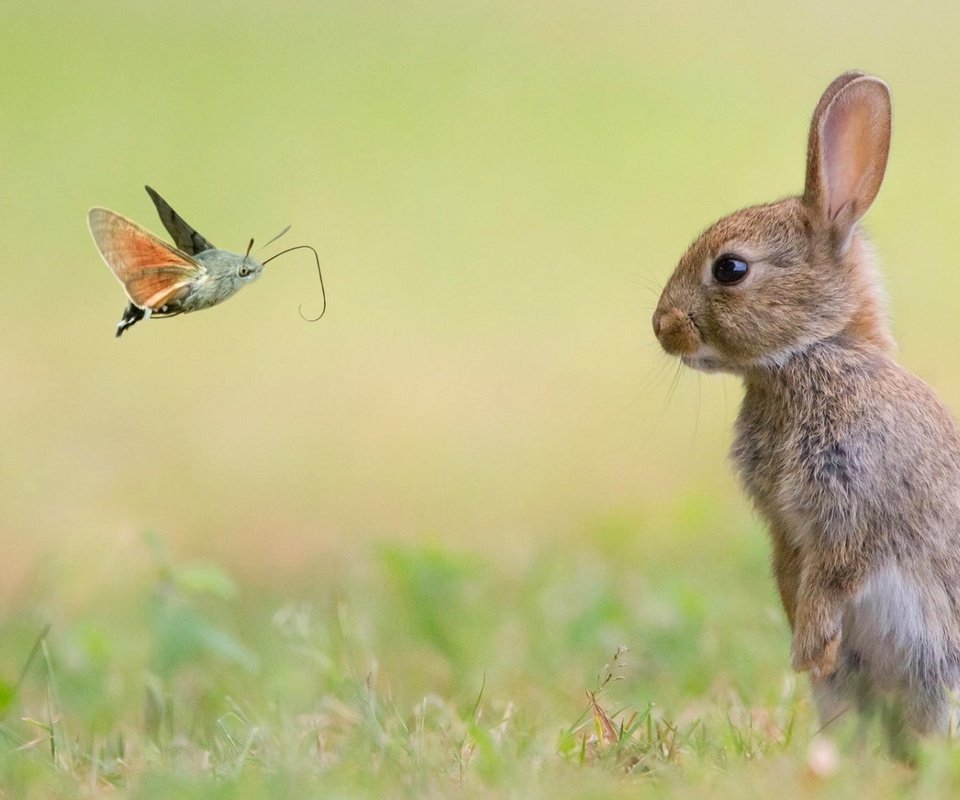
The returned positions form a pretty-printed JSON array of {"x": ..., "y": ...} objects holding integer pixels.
[{"x": 472, "y": 534}]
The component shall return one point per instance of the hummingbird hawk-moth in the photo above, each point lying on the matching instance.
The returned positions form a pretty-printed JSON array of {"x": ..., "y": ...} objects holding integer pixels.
[{"x": 163, "y": 281}]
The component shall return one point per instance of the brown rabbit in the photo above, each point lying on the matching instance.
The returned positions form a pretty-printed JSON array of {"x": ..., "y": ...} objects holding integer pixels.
[{"x": 853, "y": 461}]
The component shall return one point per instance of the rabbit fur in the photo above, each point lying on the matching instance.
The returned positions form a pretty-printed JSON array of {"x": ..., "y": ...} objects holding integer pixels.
[{"x": 853, "y": 461}]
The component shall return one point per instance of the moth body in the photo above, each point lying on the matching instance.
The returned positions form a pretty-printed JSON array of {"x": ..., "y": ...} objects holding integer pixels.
[{"x": 225, "y": 274}]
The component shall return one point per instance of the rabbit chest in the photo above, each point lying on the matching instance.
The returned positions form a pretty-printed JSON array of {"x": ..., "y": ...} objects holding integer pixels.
[
  {"x": 811, "y": 449},
  {"x": 842, "y": 445}
]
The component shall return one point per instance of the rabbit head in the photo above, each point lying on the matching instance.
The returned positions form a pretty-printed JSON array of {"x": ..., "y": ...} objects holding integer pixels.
[{"x": 767, "y": 281}]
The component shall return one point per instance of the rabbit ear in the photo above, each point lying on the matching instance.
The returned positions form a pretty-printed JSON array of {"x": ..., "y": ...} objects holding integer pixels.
[{"x": 847, "y": 152}]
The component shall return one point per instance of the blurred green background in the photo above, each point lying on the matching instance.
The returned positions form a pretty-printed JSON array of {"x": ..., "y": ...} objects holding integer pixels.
[{"x": 482, "y": 429}]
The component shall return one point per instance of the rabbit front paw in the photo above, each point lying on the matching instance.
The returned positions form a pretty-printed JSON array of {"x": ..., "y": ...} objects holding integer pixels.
[{"x": 814, "y": 652}]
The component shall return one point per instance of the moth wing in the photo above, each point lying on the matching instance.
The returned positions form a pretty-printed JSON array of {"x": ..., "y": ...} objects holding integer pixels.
[
  {"x": 183, "y": 234},
  {"x": 152, "y": 273}
]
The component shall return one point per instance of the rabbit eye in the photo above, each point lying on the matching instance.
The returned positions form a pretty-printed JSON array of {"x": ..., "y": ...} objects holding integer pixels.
[{"x": 730, "y": 269}]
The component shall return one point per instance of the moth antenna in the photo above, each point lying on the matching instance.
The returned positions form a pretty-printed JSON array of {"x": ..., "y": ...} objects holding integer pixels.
[
  {"x": 323, "y": 291},
  {"x": 249, "y": 248},
  {"x": 276, "y": 237}
]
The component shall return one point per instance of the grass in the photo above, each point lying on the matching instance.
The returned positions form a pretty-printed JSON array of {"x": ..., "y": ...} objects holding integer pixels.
[
  {"x": 396, "y": 552},
  {"x": 403, "y": 679}
]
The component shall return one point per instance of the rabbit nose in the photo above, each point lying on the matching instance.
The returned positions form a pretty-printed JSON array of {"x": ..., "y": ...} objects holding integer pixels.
[{"x": 676, "y": 331}]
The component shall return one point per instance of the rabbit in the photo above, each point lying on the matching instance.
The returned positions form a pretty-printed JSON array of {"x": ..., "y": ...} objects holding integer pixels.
[{"x": 852, "y": 461}]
